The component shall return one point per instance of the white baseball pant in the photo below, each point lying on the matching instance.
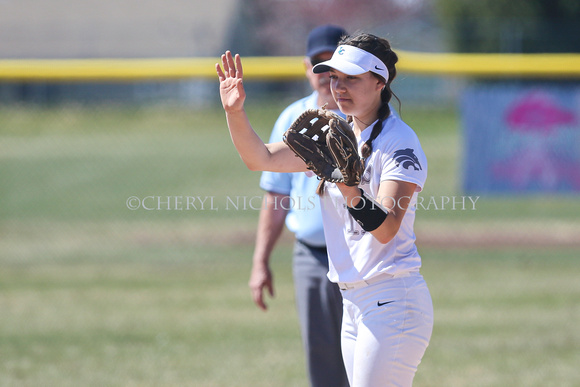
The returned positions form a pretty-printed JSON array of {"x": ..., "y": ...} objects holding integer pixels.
[{"x": 386, "y": 328}]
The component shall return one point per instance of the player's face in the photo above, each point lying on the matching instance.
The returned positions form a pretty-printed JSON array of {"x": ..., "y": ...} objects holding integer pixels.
[
  {"x": 320, "y": 82},
  {"x": 357, "y": 95}
]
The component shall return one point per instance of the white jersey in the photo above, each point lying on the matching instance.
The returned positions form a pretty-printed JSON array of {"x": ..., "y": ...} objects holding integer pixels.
[{"x": 354, "y": 254}]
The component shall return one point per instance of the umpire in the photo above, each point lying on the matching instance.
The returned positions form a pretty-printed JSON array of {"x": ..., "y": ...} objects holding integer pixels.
[{"x": 291, "y": 199}]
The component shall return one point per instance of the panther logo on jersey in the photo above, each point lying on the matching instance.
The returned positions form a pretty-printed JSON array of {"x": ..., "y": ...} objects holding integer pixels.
[{"x": 407, "y": 158}]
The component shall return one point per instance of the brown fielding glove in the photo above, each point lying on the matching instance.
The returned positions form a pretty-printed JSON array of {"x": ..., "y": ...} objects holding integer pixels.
[{"x": 328, "y": 146}]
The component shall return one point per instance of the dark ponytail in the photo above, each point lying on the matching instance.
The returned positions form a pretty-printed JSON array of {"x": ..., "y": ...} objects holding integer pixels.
[{"x": 384, "y": 112}]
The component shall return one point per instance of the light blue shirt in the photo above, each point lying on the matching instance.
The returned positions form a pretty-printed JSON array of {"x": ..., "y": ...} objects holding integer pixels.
[{"x": 304, "y": 217}]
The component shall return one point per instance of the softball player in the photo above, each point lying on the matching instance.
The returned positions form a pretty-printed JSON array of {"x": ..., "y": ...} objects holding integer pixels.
[{"x": 387, "y": 309}]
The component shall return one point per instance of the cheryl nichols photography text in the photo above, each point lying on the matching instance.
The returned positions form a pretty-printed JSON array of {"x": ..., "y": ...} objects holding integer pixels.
[{"x": 256, "y": 203}]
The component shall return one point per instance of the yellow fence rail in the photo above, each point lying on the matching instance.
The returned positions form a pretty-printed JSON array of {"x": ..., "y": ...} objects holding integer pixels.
[{"x": 472, "y": 65}]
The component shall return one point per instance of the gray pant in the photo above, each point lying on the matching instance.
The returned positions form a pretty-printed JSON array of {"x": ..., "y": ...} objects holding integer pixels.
[{"x": 319, "y": 304}]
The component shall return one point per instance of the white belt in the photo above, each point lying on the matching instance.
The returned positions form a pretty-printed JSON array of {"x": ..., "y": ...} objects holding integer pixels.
[{"x": 361, "y": 284}]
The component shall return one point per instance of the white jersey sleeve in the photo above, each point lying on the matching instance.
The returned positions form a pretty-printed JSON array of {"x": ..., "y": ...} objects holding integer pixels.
[{"x": 401, "y": 157}]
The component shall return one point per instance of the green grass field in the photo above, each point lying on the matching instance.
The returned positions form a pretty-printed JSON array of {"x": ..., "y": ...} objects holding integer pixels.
[{"x": 93, "y": 293}]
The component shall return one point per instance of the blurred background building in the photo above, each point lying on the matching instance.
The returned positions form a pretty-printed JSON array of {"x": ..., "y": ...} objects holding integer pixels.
[
  {"x": 178, "y": 28},
  {"x": 33, "y": 29}
]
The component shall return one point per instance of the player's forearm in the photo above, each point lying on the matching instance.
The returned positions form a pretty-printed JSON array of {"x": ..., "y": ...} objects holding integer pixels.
[
  {"x": 249, "y": 145},
  {"x": 258, "y": 156},
  {"x": 382, "y": 221}
]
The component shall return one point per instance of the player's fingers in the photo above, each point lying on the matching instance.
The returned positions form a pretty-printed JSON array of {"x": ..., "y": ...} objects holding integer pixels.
[
  {"x": 231, "y": 64},
  {"x": 239, "y": 70},
  {"x": 225, "y": 65},
  {"x": 220, "y": 73}
]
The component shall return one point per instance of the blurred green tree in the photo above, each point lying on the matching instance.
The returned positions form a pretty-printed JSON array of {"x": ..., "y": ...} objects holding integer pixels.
[{"x": 511, "y": 26}]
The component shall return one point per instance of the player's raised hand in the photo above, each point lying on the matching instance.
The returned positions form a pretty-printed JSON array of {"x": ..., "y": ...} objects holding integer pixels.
[{"x": 232, "y": 91}]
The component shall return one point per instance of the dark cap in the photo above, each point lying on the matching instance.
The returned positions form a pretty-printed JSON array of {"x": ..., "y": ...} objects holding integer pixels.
[{"x": 323, "y": 39}]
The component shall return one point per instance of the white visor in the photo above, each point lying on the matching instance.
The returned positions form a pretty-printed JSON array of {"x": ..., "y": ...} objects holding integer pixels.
[{"x": 353, "y": 61}]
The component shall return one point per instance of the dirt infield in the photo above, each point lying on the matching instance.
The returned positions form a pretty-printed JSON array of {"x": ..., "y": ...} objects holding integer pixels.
[
  {"x": 494, "y": 239},
  {"x": 439, "y": 236}
]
